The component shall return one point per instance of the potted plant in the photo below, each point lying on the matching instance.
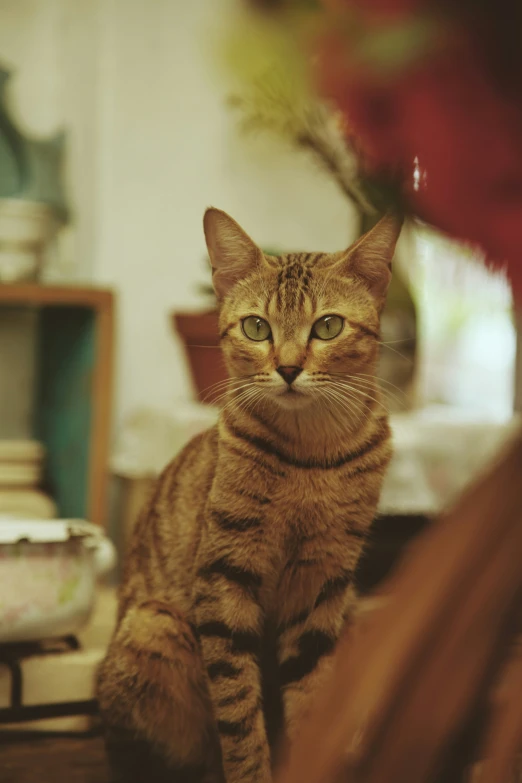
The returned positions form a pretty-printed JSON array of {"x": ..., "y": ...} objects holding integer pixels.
[{"x": 200, "y": 336}]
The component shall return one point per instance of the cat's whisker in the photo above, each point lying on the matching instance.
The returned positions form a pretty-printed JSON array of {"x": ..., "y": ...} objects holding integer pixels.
[
  {"x": 375, "y": 382},
  {"x": 378, "y": 384},
  {"x": 219, "y": 384},
  {"x": 239, "y": 399},
  {"x": 249, "y": 405},
  {"x": 231, "y": 386},
  {"x": 389, "y": 347},
  {"x": 381, "y": 380},
  {"x": 393, "y": 342},
  {"x": 342, "y": 412},
  {"x": 238, "y": 394},
  {"x": 361, "y": 416},
  {"x": 249, "y": 400},
  {"x": 365, "y": 384},
  {"x": 233, "y": 391},
  {"x": 364, "y": 394},
  {"x": 215, "y": 387},
  {"x": 345, "y": 401},
  {"x": 329, "y": 386},
  {"x": 218, "y": 401},
  {"x": 226, "y": 392},
  {"x": 347, "y": 407},
  {"x": 389, "y": 397},
  {"x": 326, "y": 399},
  {"x": 229, "y": 404},
  {"x": 370, "y": 376},
  {"x": 230, "y": 380}
]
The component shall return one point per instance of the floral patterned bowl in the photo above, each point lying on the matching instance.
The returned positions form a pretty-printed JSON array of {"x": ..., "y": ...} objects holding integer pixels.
[{"x": 48, "y": 574}]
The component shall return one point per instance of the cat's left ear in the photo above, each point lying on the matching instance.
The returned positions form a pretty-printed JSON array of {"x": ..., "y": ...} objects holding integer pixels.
[
  {"x": 233, "y": 254},
  {"x": 370, "y": 258}
]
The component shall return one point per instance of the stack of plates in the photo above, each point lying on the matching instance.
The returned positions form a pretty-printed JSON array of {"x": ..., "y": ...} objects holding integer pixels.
[{"x": 21, "y": 469}]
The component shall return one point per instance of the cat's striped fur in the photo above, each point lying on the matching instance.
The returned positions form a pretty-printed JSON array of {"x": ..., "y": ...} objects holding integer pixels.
[{"x": 259, "y": 522}]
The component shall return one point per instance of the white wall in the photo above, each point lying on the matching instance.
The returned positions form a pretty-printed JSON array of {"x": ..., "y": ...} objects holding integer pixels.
[
  {"x": 152, "y": 144},
  {"x": 51, "y": 47}
]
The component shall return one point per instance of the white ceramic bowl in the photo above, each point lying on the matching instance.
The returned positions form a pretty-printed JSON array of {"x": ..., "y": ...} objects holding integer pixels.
[
  {"x": 48, "y": 573},
  {"x": 26, "y": 227}
]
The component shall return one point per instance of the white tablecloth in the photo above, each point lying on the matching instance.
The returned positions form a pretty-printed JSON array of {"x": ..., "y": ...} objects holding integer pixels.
[{"x": 437, "y": 453}]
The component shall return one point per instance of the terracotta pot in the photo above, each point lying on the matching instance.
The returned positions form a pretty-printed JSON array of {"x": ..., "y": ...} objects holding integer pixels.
[{"x": 200, "y": 336}]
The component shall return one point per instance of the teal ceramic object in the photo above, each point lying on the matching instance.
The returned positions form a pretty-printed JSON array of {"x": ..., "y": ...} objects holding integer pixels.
[
  {"x": 13, "y": 161},
  {"x": 30, "y": 170}
]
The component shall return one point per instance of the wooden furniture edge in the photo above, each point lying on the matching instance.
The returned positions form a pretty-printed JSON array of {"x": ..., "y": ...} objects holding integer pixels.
[
  {"x": 41, "y": 295},
  {"x": 103, "y": 387}
]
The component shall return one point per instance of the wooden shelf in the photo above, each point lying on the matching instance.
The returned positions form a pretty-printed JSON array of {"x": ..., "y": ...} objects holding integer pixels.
[
  {"x": 73, "y": 395},
  {"x": 27, "y": 294}
]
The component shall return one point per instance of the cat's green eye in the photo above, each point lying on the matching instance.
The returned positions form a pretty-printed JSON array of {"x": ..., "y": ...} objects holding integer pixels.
[
  {"x": 256, "y": 328},
  {"x": 328, "y": 327}
]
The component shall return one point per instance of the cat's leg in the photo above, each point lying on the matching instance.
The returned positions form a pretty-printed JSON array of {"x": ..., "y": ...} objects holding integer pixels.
[
  {"x": 306, "y": 640},
  {"x": 229, "y": 622},
  {"x": 153, "y": 699}
]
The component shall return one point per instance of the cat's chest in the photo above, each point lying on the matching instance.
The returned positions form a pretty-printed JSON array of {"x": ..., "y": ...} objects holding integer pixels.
[
  {"x": 283, "y": 504},
  {"x": 305, "y": 506},
  {"x": 301, "y": 498},
  {"x": 313, "y": 513},
  {"x": 308, "y": 525}
]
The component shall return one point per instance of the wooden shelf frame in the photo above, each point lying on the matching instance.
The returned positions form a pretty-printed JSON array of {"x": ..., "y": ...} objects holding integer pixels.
[{"x": 73, "y": 398}]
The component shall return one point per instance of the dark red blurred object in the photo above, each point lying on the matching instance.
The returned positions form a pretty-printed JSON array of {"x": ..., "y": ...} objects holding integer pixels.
[
  {"x": 453, "y": 115},
  {"x": 200, "y": 335}
]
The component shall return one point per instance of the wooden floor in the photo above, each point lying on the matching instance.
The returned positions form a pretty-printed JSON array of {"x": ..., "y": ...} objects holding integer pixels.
[{"x": 52, "y": 758}]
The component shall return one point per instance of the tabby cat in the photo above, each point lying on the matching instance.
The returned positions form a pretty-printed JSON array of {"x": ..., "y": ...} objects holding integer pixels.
[{"x": 259, "y": 523}]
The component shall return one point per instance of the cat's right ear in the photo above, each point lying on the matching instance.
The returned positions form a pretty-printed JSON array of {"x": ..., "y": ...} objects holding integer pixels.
[
  {"x": 233, "y": 254},
  {"x": 370, "y": 258}
]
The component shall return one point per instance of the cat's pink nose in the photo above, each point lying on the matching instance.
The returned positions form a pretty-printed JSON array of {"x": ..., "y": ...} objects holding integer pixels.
[{"x": 289, "y": 373}]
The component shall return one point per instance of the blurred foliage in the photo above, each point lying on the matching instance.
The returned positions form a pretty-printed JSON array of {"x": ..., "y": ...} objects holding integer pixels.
[{"x": 274, "y": 91}]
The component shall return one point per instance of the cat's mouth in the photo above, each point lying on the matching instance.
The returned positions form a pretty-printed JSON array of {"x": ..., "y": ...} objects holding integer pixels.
[
  {"x": 291, "y": 391},
  {"x": 291, "y": 397}
]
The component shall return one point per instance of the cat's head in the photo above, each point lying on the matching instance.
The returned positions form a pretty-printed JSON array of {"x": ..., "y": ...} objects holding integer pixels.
[{"x": 298, "y": 325}]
